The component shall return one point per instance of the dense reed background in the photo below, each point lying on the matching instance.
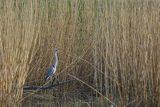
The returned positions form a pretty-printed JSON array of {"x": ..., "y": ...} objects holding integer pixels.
[{"x": 111, "y": 47}]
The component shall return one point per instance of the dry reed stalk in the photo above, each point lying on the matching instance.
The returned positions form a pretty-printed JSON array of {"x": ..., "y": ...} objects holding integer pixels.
[
  {"x": 114, "y": 44},
  {"x": 18, "y": 43}
]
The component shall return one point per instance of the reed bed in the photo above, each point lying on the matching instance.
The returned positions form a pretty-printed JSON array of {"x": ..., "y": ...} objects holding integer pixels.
[{"x": 111, "y": 47}]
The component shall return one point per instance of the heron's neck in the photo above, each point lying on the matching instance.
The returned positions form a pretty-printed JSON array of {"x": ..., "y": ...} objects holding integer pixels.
[{"x": 55, "y": 59}]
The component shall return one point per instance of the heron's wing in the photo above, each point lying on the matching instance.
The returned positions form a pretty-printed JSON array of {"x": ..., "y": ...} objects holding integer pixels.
[{"x": 49, "y": 71}]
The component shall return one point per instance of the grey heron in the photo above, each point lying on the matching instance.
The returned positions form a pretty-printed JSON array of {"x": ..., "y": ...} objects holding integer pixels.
[{"x": 52, "y": 68}]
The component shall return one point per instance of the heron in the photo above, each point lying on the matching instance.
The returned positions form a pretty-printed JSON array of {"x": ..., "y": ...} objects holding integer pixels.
[{"x": 52, "y": 68}]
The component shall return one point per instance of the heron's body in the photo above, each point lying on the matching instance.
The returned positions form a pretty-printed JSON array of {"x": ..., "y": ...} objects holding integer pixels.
[{"x": 52, "y": 69}]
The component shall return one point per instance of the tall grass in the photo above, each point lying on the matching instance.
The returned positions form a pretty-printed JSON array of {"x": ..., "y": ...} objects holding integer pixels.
[
  {"x": 17, "y": 42},
  {"x": 112, "y": 46}
]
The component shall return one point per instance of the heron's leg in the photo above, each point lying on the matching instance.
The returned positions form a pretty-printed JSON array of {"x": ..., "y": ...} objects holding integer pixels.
[
  {"x": 56, "y": 81},
  {"x": 52, "y": 81}
]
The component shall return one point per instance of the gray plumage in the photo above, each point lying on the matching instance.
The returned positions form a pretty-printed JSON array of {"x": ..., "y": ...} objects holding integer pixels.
[{"x": 52, "y": 69}]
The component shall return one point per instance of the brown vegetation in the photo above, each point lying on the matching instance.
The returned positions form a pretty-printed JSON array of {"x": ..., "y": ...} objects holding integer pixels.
[{"x": 113, "y": 45}]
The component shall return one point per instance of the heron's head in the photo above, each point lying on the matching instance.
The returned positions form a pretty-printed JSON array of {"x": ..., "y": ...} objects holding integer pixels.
[{"x": 55, "y": 49}]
